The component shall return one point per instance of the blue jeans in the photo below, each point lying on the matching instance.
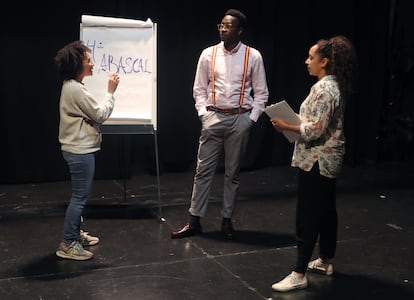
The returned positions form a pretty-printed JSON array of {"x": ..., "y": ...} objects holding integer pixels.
[{"x": 82, "y": 169}]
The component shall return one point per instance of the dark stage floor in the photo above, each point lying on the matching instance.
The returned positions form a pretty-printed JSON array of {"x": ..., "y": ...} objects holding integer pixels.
[{"x": 136, "y": 259}]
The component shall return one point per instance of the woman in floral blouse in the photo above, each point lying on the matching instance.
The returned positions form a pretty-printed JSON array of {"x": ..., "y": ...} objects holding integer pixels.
[{"x": 319, "y": 154}]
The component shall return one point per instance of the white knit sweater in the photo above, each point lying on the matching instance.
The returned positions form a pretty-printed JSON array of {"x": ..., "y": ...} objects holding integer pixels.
[{"x": 80, "y": 118}]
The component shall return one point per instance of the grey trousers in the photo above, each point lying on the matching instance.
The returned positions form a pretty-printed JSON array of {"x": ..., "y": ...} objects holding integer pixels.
[{"x": 220, "y": 132}]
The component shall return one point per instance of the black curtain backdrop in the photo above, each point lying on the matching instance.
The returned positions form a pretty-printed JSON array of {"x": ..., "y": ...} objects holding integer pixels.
[{"x": 378, "y": 121}]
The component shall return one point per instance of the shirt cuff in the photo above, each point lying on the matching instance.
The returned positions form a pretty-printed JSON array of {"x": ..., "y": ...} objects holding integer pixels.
[{"x": 202, "y": 111}]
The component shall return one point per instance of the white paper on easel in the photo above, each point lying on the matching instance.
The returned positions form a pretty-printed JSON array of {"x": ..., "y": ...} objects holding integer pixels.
[
  {"x": 127, "y": 47},
  {"x": 282, "y": 110}
]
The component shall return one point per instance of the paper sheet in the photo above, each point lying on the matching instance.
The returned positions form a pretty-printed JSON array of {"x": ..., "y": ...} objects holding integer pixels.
[{"x": 282, "y": 110}]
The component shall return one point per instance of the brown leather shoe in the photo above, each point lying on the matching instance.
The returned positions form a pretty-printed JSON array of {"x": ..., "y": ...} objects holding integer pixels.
[
  {"x": 227, "y": 230},
  {"x": 186, "y": 231}
]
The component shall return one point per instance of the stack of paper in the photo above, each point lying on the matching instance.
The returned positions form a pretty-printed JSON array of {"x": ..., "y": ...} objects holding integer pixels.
[{"x": 282, "y": 110}]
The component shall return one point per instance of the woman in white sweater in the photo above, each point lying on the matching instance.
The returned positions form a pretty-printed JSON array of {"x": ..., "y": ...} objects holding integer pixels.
[{"x": 80, "y": 137}]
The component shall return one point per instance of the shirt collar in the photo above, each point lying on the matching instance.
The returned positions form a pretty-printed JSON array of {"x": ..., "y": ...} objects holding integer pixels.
[{"x": 234, "y": 50}]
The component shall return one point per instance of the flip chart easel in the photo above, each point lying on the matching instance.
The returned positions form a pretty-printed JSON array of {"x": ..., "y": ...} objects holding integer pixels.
[
  {"x": 139, "y": 129},
  {"x": 127, "y": 47}
]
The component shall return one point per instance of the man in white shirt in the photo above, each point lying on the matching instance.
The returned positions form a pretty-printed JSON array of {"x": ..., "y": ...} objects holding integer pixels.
[{"x": 230, "y": 93}]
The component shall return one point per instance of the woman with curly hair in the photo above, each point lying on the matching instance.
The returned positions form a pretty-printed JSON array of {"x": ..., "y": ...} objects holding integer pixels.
[
  {"x": 318, "y": 154},
  {"x": 80, "y": 137}
]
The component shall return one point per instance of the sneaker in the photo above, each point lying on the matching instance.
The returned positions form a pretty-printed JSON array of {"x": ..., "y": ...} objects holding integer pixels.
[
  {"x": 318, "y": 266},
  {"x": 73, "y": 251},
  {"x": 290, "y": 282},
  {"x": 87, "y": 240}
]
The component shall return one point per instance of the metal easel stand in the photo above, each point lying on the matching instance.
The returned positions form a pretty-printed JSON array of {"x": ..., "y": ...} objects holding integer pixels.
[{"x": 139, "y": 129}]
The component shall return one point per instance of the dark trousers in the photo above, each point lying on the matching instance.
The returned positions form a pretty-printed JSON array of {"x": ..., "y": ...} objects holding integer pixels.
[{"x": 316, "y": 216}]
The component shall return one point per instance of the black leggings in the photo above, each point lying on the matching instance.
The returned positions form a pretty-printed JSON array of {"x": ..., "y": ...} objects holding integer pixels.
[{"x": 316, "y": 215}]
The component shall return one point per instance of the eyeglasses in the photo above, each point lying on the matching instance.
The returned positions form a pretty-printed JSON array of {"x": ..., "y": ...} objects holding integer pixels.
[{"x": 225, "y": 26}]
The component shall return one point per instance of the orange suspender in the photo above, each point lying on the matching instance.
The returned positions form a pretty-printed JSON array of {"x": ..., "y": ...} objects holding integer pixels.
[
  {"x": 246, "y": 64},
  {"x": 213, "y": 86}
]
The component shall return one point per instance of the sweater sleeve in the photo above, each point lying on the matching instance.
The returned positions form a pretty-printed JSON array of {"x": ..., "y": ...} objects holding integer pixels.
[{"x": 96, "y": 111}]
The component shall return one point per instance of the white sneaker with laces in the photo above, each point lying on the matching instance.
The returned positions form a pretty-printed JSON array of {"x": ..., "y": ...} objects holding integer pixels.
[
  {"x": 290, "y": 282},
  {"x": 88, "y": 240},
  {"x": 318, "y": 266}
]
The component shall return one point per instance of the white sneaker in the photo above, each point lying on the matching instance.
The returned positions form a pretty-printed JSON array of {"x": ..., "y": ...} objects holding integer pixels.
[
  {"x": 290, "y": 282},
  {"x": 318, "y": 266},
  {"x": 88, "y": 240}
]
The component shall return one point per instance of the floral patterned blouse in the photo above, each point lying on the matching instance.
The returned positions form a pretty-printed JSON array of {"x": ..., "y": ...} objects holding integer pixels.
[{"x": 322, "y": 129}]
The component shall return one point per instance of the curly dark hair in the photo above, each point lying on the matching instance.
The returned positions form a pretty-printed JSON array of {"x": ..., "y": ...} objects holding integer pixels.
[
  {"x": 241, "y": 17},
  {"x": 68, "y": 60},
  {"x": 342, "y": 62}
]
